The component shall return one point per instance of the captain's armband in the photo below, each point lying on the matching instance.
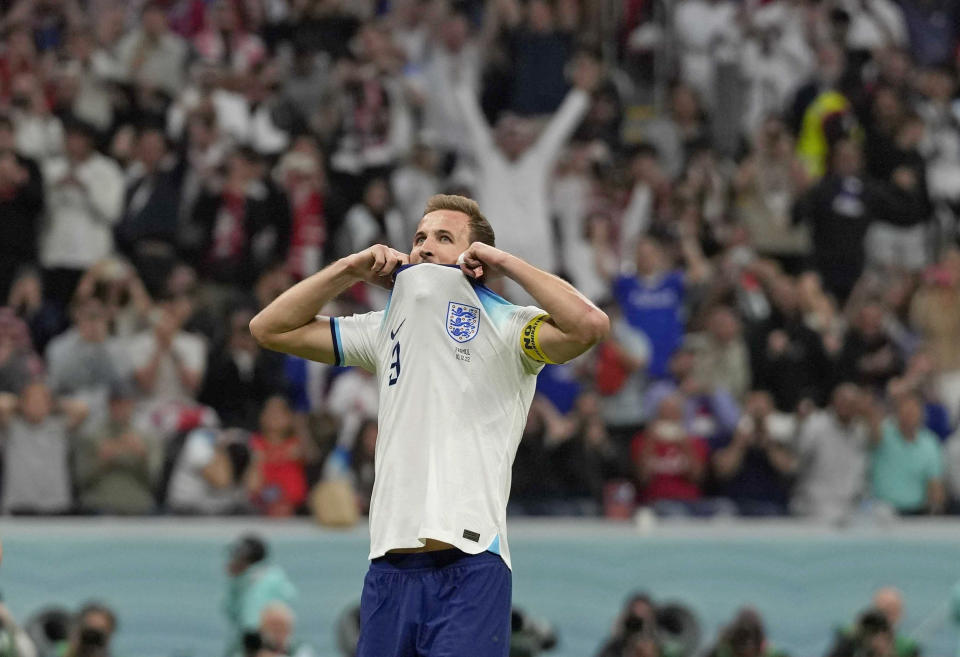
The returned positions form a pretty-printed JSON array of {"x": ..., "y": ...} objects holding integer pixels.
[{"x": 530, "y": 340}]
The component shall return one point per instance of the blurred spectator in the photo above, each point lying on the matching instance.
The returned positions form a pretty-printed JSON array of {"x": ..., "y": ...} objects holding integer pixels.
[
  {"x": 675, "y": 135},
  {"x": 709, "y": 413},
  {"x": 540, "y": 41},
  {"x": 745, "y": 637},
  {"x": 754, "y": 468},
  {"x": 168, "y": 362},
  {"x": 116, "y": 464},
  {"x": 840, "y": 209},
  {"x": 19, "y": 55},
  {"x": 935, "y": 315},
  {"x": 636, "y": 621},
  {"x": 832, "y": 452},
  {"x": 374, "y": 221},
  {"x": 671, "y": 465},
  {"x": 37, "y": 431},
  {"x": 83, "y": 361},
  {"x": 147, "y": 230},
  {"x": 621, "y": 377},
  {"x": 276, "y": 632},
  {"x": 92, "y": 631},
  {"x": 152, "y": 55},
  {"x": 703, "y": 28},
  {"x": 244, "y": 224},
  {"x": 372, "y": 118},
  {"x": 454, "y": 57},
  {"x": 766, "y": 184},
  {"x": 39, "y": 134},
  {"x": 876, "y": 629},
  {"x": 276, "y": 479},
  {"x": 871, "y": 634},
  {"x": 652, "y": 300},
  {"x": 722, "y": 357},
  {"x": 254, "y": 582},
  {"x": 226, "y": 42},
  {"x": 788, "y": 358},
  {"x": 775, "y": 60},
  {"x": 907, "y": 466},
  {"x": 919, "y": 379},
  {"x": 87, "y": 83},
  {"x": 940, "y": 146},
  {"x": 21, "y": 202},
  {"x": 514, "y": 168},
  {"x": 301, "y": 175},
  {"x": 580, "y": 453},
  {"x": 19, "y": 363},
  {"x": 869, "y": 356},
  {"x": 43, "y": 317},
  {"x": 127, "y": 303},
  {"x": 413, "y": 183},
  {"x": 240, "y": 376},
  {"x": 208, "y": 473},
  {"x": 84, "y": 200},
  {"x": 889, "y": 601}
]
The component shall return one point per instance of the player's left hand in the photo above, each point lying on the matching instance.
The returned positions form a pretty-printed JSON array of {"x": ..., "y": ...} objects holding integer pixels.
[{"x": 482, "y": 260}]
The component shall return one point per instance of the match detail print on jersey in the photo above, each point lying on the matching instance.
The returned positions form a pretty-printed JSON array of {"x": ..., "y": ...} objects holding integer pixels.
[{"x": 530, "y": 340}]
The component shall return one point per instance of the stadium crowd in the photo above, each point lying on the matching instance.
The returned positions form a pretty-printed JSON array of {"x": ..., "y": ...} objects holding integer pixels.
[{"x": 763, "y": 196}]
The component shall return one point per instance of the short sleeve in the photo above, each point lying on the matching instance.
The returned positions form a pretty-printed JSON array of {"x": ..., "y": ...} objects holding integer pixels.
[
  {"x": 198, "y": 450},
  {"x": 520, "y": 332},
  {"x": 192, "y": 351},
  {"x": 355, "y": 339}
]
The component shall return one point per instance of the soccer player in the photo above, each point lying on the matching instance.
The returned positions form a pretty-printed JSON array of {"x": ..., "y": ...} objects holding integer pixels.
[{"x": 456, "y": 367}]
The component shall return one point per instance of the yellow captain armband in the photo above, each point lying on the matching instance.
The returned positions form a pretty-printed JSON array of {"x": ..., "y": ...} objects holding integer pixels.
[{"x": 530, "y": 340}]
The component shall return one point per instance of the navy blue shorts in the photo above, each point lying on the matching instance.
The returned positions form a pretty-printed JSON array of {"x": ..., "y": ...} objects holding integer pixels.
[{"x": 436, "y": 604}]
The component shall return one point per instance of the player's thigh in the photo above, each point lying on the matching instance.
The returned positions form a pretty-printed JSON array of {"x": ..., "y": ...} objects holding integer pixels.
[
  {"x": 389, "y": 606},
  {"x": 475, "y": 619}
]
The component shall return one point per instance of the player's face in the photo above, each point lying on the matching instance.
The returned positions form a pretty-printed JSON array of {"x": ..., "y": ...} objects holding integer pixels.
[{"x": 441, "y": 237}]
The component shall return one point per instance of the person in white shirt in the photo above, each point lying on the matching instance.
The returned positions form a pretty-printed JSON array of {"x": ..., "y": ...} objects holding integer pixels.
[
  {"x": 515, "y": 172},
  {"x": 84, "y": 195},
  {"x": 168, "y": 363},
  {"x": 456, "y": 369}
]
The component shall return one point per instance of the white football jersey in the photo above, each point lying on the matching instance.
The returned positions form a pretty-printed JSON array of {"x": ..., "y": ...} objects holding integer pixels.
[{"x": 455, "y": 388}]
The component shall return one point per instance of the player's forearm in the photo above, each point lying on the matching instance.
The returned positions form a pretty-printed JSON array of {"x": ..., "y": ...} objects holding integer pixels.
[
  {"x": 574, "y": 314},
  {"x": 300, "y": 304}
]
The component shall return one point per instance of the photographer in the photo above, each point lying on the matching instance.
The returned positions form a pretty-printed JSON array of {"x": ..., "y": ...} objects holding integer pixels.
[
  {"x": 254, "y": 584},
  {"x": 94, "y": 627},
  {"x": 745, "y": 637},
  {"x": 635, "y": 631},
  {"x": 871, "y": 636},
  {"x": 275, "y": 636}
]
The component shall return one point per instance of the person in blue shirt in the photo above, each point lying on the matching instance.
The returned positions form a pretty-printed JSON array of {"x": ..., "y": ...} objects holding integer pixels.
[
  {"x": 254, "y": 584},
  {"x": 907, "y": 467},
  {"x": 653, "y": 296}
]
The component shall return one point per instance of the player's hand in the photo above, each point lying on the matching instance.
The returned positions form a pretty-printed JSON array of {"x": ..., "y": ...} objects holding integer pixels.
[
  {"x": 481, "y": 260},
  {"x": 377, "y": 264}
]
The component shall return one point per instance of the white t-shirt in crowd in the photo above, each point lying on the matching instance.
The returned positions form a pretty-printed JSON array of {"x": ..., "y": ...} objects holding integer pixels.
[
  {"x": 455, "y": 387},
  {"x": 189, "y": 490},
  {"x": 190, "y": 348}
]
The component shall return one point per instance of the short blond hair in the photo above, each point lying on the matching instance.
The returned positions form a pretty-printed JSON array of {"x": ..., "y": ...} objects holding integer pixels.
[{"x": 480, "y": 228}]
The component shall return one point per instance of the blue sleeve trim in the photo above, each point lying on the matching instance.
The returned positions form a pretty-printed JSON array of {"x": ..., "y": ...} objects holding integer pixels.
[{"x": 335, "y": 334}]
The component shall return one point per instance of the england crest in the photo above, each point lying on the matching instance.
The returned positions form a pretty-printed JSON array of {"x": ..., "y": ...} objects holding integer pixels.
[{"x": 463, "y": 321}]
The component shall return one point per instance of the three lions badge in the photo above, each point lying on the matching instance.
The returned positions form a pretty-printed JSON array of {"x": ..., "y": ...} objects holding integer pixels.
[{"x": 463, "y": 321}]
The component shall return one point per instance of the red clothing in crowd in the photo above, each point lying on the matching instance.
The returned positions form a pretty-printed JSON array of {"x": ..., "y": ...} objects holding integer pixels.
[
  {"x": 670, "y": 463},
  {"x": 283, "y": 482}
]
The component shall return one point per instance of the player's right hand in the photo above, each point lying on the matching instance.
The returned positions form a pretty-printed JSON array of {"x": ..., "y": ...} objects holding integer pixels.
[{"x": 377, "y": 264}]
